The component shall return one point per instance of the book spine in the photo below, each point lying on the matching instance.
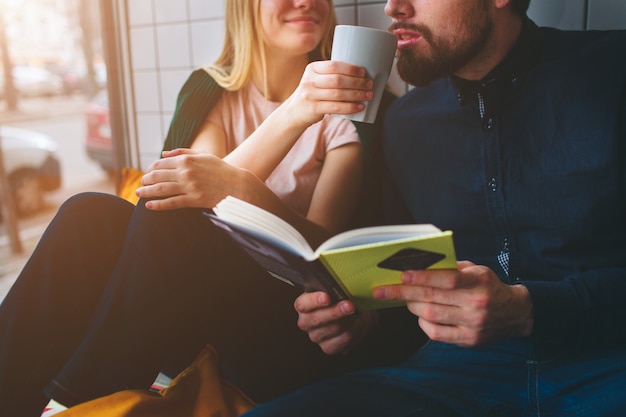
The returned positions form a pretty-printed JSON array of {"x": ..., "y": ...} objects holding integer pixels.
[
  {"x": 328, "y": 282},
  {"x": 293, "y": 269}
]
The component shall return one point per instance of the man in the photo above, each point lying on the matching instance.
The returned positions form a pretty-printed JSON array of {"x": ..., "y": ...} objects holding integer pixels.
[{"x": 515, "y": 139}]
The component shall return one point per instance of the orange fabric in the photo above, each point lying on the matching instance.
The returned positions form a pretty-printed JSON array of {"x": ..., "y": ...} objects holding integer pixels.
[
  {"x": 198, "y": 391},
  {"x": 131, "y": 179}
]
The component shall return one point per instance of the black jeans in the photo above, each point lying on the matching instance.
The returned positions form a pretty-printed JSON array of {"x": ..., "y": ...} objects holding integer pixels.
[{"x": 114, "y": 293}]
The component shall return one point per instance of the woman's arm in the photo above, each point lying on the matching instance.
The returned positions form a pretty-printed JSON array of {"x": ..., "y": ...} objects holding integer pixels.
[
  {"x": 183, "y": 178},
  {"x": 326, "y": 87},
  {"x": 184, "y": 174},
  {"x": 337, "y": 189},
  {"x": 211, "y": 139},
  {"x": 336, "y": 194}
]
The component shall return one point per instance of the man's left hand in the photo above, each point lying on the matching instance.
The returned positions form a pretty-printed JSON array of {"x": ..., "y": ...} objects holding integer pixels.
[{"x": 469, "y": 306}]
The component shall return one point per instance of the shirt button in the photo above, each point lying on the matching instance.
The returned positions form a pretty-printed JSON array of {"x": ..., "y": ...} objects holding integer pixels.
[
  {"x": 514, "y": 80},
  {"x": 489, "y": 124},
  {"x": 459, "y": 98},
  {"x": 493, "y": 184}
]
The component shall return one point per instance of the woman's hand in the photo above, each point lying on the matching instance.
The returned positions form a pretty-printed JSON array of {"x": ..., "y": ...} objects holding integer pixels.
[
  {"x": 326, "y": 87},
  {"x": 329, "y": 87},
  {"x": 190, "y": 178},
  {"x": 336, "y": 328}
]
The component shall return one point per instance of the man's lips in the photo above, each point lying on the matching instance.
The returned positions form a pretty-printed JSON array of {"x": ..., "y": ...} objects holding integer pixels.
[{"x": 406, "y": 37}]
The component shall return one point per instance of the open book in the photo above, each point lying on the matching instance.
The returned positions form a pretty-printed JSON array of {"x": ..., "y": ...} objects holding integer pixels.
[{"x": 348, "y": 265}]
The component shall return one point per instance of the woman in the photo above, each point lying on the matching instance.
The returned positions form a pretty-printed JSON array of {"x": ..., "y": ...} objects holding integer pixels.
[{"x": 114, "y": 293}]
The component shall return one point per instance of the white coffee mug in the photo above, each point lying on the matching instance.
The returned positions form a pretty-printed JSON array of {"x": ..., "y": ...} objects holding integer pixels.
[{"x": 372, "y": 49}]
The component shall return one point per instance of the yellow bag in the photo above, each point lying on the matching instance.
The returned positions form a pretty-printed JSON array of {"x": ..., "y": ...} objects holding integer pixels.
[
  {"x": 198, "y": 391},
  {"x": 131, "y": 179}
]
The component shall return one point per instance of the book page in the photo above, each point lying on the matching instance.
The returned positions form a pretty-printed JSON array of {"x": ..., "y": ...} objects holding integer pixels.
[
  {"x": 377, "y": 234},
  {"x": 263, "y": 223},
  {"x": 268, "y": 226}
]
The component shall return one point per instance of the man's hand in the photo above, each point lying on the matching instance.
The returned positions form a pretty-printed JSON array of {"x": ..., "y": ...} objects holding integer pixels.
[
  {"x": 336, "y": 328},
  {"x": 467, "y": 307}
]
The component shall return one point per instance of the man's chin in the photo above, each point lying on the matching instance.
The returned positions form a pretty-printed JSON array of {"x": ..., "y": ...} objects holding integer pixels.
[
  {"x": 421, "y": 72},
  {"x": 411, "y": 73}
]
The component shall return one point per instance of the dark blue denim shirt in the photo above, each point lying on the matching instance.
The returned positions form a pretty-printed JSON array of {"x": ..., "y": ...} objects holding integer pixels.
[{"x": 530, "y": 162}]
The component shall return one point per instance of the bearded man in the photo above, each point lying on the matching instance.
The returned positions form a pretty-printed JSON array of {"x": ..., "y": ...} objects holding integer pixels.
[{"x": 515, "y": 139}]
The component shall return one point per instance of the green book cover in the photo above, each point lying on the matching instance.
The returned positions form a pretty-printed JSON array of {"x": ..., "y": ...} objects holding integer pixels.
[
  {"x": 348, "y": 265},
  {"x": 361, "y": 268}
]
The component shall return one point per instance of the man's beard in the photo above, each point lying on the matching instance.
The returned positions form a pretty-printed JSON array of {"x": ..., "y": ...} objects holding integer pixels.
[{"x": 447, "y": 55}]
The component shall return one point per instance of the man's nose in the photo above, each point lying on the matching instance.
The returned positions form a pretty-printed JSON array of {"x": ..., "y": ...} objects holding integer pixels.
[{"x": 399, "y": 9}]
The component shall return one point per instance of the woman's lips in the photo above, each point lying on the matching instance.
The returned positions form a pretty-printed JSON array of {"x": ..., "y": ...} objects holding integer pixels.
[{"x": 302, "y": 19}]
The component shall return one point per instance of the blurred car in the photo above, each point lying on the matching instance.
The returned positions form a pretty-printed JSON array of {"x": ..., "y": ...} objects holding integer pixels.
[
  {"x": 35, "y": 82},
  {"x": 32, "y": 167},
  {"x": 98, "y": 144},
  {"x": 101, "y": 75},
  {"x": 75, "y": 79}
]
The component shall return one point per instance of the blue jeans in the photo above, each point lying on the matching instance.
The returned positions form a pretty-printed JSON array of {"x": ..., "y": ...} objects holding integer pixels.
[{"x": 509, "y": 379}]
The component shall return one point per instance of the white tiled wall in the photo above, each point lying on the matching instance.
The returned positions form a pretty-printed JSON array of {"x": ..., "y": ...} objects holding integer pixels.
[
  {"x": 167, "y": 39},
  {"x": 606, "y": 14},
  {"x": 579, "y": 14},
  {"x": 569, "y": 14}
]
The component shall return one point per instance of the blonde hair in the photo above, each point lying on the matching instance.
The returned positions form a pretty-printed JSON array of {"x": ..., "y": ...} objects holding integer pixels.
[{"x": 233, "y": 68}]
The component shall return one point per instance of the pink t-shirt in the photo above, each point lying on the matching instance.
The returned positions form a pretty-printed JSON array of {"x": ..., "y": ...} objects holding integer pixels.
[{"x": 239, "y": 113}]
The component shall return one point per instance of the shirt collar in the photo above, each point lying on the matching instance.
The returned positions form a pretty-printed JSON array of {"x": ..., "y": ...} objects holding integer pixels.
[{"x": 513, "y": 68}]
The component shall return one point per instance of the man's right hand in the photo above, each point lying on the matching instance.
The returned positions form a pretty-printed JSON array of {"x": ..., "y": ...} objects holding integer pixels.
[{"x": 336, "y": 328}]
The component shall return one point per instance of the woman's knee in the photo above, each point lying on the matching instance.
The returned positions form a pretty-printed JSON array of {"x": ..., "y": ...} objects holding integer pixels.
[
  {"x": 92, "y": 213},
  {"x": 92, "y": 204}
]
